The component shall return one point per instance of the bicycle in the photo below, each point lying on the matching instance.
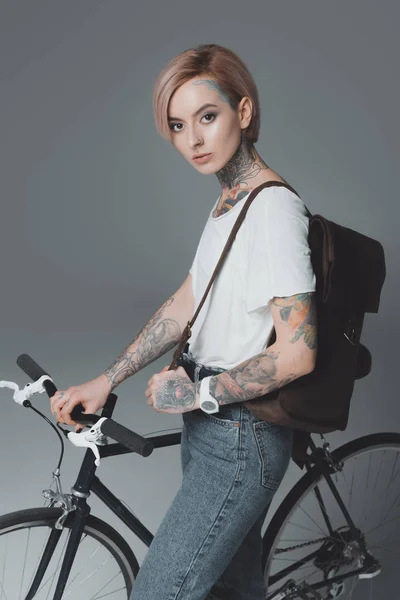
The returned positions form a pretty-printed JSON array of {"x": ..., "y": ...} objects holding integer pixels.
[{"x": 342, "y": 553}]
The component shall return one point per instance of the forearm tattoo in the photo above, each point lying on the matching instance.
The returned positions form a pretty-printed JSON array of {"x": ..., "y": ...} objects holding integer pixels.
[
  {"x": 251, "y": 379},
  {"x": 156, "y": 338}
]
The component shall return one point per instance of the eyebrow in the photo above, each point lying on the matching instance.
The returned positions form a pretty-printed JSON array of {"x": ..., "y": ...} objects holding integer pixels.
[{"x": 199, "y": 110}]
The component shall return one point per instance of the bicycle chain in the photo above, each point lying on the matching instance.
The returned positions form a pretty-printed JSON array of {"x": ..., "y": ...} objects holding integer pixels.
[
  {"x": 310, "y": 543},
  {"x": 303, "y": 545}
]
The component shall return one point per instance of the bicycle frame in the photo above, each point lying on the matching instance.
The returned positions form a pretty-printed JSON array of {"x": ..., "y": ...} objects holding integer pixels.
[{"x": 87, "y": 482}]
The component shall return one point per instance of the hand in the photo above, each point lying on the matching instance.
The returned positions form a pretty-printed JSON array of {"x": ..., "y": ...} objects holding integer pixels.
[
  {"x": 172, "y": 392},
  {"x": 92, "y": 395}
]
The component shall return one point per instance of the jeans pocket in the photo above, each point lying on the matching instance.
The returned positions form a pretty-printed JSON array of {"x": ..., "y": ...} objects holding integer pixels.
[
  {"x": 221, "y": 421},
  {"x": 274, "y": 444}
]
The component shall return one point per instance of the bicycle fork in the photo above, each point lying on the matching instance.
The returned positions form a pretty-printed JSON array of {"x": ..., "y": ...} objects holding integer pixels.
[
  {"x": 77, "y": 527},
  {"x": 77, "y": 511}
]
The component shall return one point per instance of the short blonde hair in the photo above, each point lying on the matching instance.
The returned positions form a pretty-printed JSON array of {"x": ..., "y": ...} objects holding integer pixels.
[{"x": 217, "y": 62}]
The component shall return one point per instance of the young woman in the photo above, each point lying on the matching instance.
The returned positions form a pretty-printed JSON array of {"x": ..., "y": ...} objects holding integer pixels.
[{"x": 208, "y": 545}]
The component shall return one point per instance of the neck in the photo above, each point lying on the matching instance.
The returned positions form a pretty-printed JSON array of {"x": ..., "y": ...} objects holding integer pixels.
[{"x": 241, "y": 170}]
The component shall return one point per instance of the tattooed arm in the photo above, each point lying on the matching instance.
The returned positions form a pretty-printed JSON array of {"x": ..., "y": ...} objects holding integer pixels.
[
  {"x": 158, "y": 336},
  {"x": 291, "y": 356}
]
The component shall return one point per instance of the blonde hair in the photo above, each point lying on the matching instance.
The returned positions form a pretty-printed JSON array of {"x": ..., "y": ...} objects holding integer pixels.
[{"x": 217, "y": 62}]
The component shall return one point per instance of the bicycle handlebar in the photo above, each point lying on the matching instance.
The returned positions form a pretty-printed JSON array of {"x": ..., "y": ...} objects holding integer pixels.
[{"x": 109, "y": 427}]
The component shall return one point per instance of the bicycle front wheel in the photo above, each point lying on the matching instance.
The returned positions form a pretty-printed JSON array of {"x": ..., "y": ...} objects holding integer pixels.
[
  {"x": 309, "y": 539},
  {"x": 104, "y": 565}
]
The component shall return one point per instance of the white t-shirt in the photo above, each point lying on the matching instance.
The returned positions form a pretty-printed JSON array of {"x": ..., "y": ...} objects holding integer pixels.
[{"x": 269, "y": 257}]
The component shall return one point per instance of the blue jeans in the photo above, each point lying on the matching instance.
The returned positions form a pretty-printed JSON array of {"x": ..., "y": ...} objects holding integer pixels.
[{"x": 208, "y": 546}]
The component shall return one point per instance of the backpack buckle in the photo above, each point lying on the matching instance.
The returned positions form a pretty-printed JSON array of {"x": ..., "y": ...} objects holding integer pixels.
[{"x": 351, "y": 333}]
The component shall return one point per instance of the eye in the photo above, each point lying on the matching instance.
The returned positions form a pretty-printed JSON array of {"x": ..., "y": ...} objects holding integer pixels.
[
  {"x": 173, "y": 125},
  {"x": 213, "y": 115}
]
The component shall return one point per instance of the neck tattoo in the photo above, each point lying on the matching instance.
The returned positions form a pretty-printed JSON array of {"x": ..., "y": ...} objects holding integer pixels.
[{"x": 243, "y": 167}]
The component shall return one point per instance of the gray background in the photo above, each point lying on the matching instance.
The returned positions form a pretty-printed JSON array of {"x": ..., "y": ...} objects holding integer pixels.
[{"x": 101, "y": 218}]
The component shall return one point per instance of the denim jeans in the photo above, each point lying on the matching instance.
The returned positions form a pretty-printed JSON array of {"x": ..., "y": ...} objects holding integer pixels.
[{"x": 208, "y": 546}]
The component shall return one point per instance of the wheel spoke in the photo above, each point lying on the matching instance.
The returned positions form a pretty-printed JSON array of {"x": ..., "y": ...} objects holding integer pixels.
[
  {"x": 92, "y": 573},
  {"x": 107, "y": 594},
  {"x": 3, "y": 593},
  {"x": 96, "y": 597}
]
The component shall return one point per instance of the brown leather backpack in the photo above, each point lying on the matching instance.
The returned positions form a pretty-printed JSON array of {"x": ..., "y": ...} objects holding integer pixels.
[{"x": 350, "y": 271}]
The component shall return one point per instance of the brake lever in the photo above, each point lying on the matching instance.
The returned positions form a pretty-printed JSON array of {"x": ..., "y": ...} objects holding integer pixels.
[
  {"x": 90, "y": 439},
  {"x": 20, "y": 396}
]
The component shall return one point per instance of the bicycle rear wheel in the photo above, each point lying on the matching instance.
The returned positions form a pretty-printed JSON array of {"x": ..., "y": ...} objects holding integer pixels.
[
  {"x": 298, "y": 544},
  {"x": 104, "y": 566}
]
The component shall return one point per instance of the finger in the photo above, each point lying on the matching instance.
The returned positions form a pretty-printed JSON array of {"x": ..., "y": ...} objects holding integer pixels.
[
  {"x": 57, "y": 410},
  {"x": 56, "y": 397},
  {"x": 59, "y": 399},
  {"x": 66, "y": 411},
  {"x": 59, "y": 402}
]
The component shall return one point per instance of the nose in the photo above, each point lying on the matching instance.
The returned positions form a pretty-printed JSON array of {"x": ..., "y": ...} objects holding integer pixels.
[{"x": 194, "y": 139}]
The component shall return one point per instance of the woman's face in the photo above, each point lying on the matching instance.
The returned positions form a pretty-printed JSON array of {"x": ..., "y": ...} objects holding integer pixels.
[{"x": 214, "y": 129}]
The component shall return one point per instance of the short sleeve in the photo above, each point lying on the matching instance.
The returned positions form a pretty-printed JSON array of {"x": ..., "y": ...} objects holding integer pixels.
[
  {"x": 279, "y": 257},
  {"x": 192, "y": 268}
]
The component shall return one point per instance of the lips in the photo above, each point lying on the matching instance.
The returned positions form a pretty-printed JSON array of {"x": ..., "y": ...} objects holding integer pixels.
[{"x": 201, "y": 155}]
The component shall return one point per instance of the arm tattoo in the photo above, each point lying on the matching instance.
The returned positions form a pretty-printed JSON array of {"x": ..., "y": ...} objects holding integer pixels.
[
  {"x": 156, "y": 338},
  {"x": 300, "y": 314},
  {"x": 258, "y": 375},
  {"x": 251, "y": 379}
]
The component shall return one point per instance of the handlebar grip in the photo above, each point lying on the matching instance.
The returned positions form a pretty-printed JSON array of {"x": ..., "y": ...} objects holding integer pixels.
[
  {"x": 34, "y": 371},
  {"x": 30, "y": 367},
  {"x": 117, "y": 432},
  {"x": 127, "y": 438}
]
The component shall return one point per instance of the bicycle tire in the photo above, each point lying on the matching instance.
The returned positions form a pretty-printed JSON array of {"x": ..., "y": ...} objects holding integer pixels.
[
  {"x": 95, "y": 529},
  {"x": 308, "y": 482}
]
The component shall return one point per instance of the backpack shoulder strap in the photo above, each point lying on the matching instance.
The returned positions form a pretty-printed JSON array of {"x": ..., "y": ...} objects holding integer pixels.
[{"x": 187, "y": 331}]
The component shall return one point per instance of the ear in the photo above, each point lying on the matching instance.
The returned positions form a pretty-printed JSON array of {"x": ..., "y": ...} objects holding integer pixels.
[{"x": 245, "y": 112}]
